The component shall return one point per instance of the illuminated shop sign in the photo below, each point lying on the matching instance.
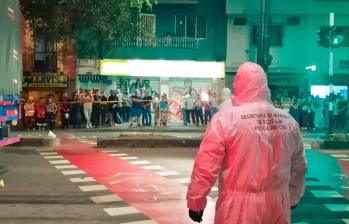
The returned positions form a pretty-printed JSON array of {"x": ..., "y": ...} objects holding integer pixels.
[{"x": 162, "y": 68}]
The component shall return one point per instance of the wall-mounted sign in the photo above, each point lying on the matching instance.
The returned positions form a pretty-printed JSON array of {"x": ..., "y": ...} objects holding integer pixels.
[
  {"x": 45, "y": 81},
  {"x": 162, "y": 68}
]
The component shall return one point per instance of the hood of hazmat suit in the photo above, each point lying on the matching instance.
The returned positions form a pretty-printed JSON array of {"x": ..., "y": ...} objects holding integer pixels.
[{"x": 257, "y": 152}]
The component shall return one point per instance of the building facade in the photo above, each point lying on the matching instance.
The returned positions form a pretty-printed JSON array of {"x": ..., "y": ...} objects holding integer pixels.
[
  {"x": 48, "y": 68},
  {"x": 184, "y": 46},
  {"x": 294, "y": 27}
]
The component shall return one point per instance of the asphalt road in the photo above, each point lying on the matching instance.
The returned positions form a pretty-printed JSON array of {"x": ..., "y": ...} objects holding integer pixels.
[{"x": 40, "y": 185}]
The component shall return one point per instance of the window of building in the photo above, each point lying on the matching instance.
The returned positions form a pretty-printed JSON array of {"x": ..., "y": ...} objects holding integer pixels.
[
  {"x": 275, "y": 35},
  {"x": 45, "y": 55},
  {"x": 148, "y": 24},
  {"x": 190, "y": 26}
]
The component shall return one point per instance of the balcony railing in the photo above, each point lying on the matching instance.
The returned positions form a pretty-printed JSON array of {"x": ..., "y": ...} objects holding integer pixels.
[{"x": 159, "y": 42}]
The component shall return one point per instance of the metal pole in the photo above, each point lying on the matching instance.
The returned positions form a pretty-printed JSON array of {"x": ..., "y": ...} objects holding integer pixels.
[
  {"x": 330, "y": 63},
  {"x": 263, "y": 35}
]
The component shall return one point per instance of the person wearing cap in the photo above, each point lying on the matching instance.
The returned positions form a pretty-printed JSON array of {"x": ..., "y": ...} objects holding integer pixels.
[{"x": 257, "y": 151}]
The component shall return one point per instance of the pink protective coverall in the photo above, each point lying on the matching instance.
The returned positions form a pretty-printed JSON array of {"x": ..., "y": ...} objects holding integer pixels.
[{"x": 257, "y": 150}]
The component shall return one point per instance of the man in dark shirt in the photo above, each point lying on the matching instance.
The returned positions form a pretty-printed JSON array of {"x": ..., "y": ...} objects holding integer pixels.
[{"x": 147, "y": 105}]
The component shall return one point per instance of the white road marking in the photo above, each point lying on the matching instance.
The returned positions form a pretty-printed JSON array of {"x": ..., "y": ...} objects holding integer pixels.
[
  {"x": 97, "y": 187},
  {"x": 154, "y": 167},
  {"x": 82, "y": 179},
  {"x": 118, "y": 154},
  {"x": 72, "y": 172},
  {"x": 66, "y": 167},
  {"x": 53, "y": 157},
  {"x": 338, "y": 207},
  {"x": 59, "y": 162},
  {"x": 183, "y": 180},
  {"x": 167, "y": 173},
  {"x": 139, "y": 162},
  {"x": 105, "y": 198},
  {"x": 48, "y": 153},
  {"x": 346, "y": 221},
  {"x": 113, "y": 150},
  {"x": 141, "y": 222},
  {"x": 313, "y": 183},
  {"x": 340, "y": 155},
  {"x": 345, "y": 159},
  {"x": 121, "y": 211},
  {"x": 129, "y": 158},
  {"x": 326, "y": 194}
]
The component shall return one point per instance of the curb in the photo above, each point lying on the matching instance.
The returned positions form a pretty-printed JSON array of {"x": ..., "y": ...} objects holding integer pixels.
[
  {"x": 36, "y": 142},
  {"x": 330, "y": 144},
  {"x": 137, "y": 129},
  {"x": 149, "y": 142}
]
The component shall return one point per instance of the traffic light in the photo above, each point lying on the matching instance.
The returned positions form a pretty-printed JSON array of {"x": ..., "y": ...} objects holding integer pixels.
[{"x": 330, "y": 36}]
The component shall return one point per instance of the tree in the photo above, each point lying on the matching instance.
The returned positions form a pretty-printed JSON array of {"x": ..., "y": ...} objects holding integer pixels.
[{"x": 90, "y": 25}]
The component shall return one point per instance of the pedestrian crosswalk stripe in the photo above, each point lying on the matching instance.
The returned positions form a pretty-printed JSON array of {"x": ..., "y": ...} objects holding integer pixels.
[
  {"x": 97, "y": 187},
  {"x": 72, "y": 172},
  {"x": 345, "y": 159},
  {"x": 154, "y": 167},
  {"x": 118, "y": 154},
  {"x": 65, "y": 167},
  {"x": 141, "y": 222},
  {"x": 338, "y": 207},
  {"x": 105, "y": 198},
  {"x": 59, "y": 162},
  {"x": 313, "y": 183},
  {"x": 48, "y": 153},
  {"x": 129, "y": 158},
  {"x": 340, "y": 155},
  {"x": 82, "y": 179},
  {"x": 326, "y": 194},
  {"x": 183, "y": 180},
  {"x": 167, "y": 173},
  {"x": 106, "y": 150},
  {"x": 121, "y": 211},
  {"x": 53, "y": 157},
  {"x": 140, "y": 162}
]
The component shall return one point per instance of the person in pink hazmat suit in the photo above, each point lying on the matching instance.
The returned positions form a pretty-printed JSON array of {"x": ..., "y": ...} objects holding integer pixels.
[{"x": 257, "y": 151}]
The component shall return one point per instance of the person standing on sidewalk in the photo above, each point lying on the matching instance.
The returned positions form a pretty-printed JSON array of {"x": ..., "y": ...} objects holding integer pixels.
[
  {"x": 88, "y": 101},
  {"x": 156, "y": 107},
  {"x": 29, "y": 112},
  {"x": 257, "y": 150},
  {"x": 51, "y": 109},
  {"x": 147, "y": 107},
  {"x": 136, "y": 108},
  {"x": 65, "y": 107},
  {"x": 164, "y": 110},
  {"x": 40, "y": 111}
]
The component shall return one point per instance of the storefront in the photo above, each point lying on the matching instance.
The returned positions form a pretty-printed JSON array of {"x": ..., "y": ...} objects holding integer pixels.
[
  {"x": 44, "y": 85},
  {"x": 173, "y": 78}
]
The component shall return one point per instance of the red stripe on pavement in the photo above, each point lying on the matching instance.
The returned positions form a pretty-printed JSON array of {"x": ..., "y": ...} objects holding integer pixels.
[{"x": 158, "y": 198}]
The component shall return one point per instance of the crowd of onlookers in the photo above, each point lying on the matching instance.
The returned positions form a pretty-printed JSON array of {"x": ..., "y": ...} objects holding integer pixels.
[
  {"x": 313, "y": 112},
  {"x": 87, "y": 109}
]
